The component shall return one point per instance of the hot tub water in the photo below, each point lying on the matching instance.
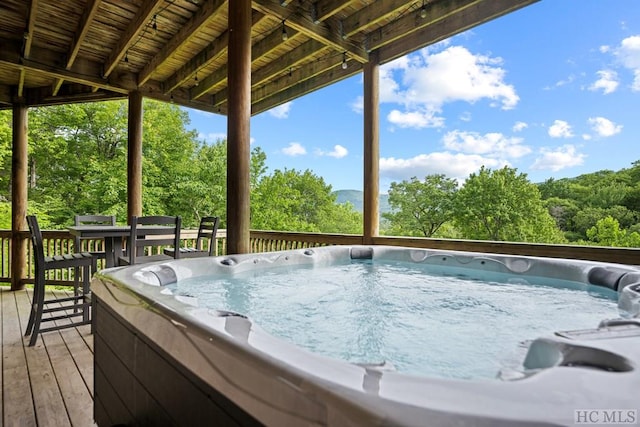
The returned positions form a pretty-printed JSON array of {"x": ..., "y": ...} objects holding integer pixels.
[{"x": 410, "y": 316}]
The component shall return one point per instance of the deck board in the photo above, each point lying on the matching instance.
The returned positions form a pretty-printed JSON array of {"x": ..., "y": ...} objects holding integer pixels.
[{"x": 51, "y": 383}]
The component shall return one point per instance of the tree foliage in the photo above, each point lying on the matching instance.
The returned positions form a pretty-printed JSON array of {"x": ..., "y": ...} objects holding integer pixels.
[
  {"x": 421, "y": 208},
  {"x": 503, "y": 205}
]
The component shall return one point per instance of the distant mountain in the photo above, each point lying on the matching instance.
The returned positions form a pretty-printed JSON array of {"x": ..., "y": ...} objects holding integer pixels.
[{"x": 356, "y": 198}]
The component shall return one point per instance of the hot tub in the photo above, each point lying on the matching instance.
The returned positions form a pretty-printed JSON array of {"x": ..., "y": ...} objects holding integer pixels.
[{"x": 163, "y": 359}]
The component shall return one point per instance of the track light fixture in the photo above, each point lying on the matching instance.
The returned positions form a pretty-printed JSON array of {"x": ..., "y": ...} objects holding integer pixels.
[{"x": 423, "y": 11}]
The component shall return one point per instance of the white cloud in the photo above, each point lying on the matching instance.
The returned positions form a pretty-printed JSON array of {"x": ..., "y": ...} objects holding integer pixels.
[
  {"x": 608, "y": 82},
  {"x": 457, "y": 165},
  {"x": 560, "y": 158},
  {"x": 358, "y": 105},
  {"x": 423, "y": 82},
  {"x": 281, "y": 111},
  {"x": 604, "y": 127},
  {"x": 629, "y": 55},
  {"x": 415, "y": 119},
  {"x": 294, "y": 149},
  {"x": 560, "y": 129},
  {"x": 494, "y": 145},
  {"x": 338, "y": 152},
  {"x": 519, "y": 126}
]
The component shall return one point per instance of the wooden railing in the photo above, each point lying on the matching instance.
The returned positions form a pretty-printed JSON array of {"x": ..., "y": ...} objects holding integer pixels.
[{"x": 269, "y": 241}]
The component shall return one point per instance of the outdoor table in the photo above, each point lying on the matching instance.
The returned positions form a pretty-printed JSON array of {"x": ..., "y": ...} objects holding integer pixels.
[{"x": 113, "y": 236}]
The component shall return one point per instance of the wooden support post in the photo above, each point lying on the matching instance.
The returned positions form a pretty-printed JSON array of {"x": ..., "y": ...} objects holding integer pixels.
[
  {"x": 19, "y": 175},
  {"x": 238, "y": 127},
  {"x": 371, "y": 149},
  {"x": 134, "y": 159}
]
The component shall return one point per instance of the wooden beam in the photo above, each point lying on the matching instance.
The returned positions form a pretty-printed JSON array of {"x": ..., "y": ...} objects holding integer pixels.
[
  {"x": 277, "y": 67},
  {"x": 210, "y": 53},
  {"x": 451, "y": 25},
  {"x": 238, "y": 129},
  {"x": 371, "y": 178},
  {"x": 138, "y": 24},
  {"x": 262, "y": 47},
  {"x": 302, "y": 88},
  {"x": 375, "y": 12},
  {"x": 290, "y": 75},
  {"x": 134, "y": 156},
  {"x": 324, "y": 9},
  {"x": 28, "y": 40},
  {"x": 90, "y": 11},
  {"x": 197, "y": 21},
  {"x": 324, "y": 32},
  {"x": 46, "y": 62},
  {"x": 19, "y": 180}
]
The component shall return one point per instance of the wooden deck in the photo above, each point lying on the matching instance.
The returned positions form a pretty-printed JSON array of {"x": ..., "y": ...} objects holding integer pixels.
[{"x": 51, "y": 383}]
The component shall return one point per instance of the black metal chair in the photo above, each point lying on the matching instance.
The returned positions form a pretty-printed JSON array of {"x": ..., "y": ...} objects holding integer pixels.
[
  {"x": 93, "y": 220},
  {"x": 71, "y": 307},
  {"x": 151, "y": 234},
  {"x": 207, "y": 232}
]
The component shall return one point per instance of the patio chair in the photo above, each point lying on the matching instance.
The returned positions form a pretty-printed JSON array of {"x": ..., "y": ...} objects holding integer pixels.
[
  {"x": 151, "y": 234},
  {"x": 69, "y": 307},
  {"x": 93, "y": 220},
  {"x": 205, "y": 242}
]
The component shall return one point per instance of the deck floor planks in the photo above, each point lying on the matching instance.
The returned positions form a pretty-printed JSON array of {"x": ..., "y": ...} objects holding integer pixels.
[
  {"x": 57, "y": 372},
  {"x": 17, "y": 403}
]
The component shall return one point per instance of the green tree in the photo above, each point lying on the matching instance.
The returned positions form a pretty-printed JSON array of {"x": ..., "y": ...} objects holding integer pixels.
[
  {"x": 607, "y": 232},
  {"x": 291, "y": 200},
  {"x": 503, "y": 205},
  {"x": 421, "y": 208}
]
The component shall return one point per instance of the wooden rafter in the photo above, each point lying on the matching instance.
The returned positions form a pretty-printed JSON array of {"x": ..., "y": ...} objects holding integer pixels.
[
  {"x": 196, "y": 22},
  {"x": 210, "y": 53},
  {"x": 447, "y": 27},
  {"x": 138, "y": 24},
  {"x": 411, "y": 22},
  {"x": 28, "y": 40},
  {"x": 324, "y": 9},
  {"x": 90, "y": 11},
  {"x": 261, "y": 48},
  {"x": 305, "y": 87},
  {"x": 325, "y": 32}
]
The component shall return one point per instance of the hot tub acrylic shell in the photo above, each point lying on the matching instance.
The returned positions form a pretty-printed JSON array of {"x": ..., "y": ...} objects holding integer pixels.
[{"x": 159, "y": 358}]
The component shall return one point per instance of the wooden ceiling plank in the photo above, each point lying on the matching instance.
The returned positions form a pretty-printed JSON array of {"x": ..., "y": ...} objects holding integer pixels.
[
  {"x": 274, "y": 68},
  {"x": 261, "y": 48},
  {"x": 325, "y": 9},
  {"x": 90, "y": 11},
  {"x": 454, "y": 23},
  {"x": 374, "y": 13},
  {"x": 306, "y": 72},
  {"x": 210, "y": 53},
  {"x": 45, "y": 62},
  {"x": 137, "y": 25},
  {"x": 410, "y": 22},
  {"x": 197, "y": 21},
  {"x": 321, "y": 32},
  {"x": 31, "y": 24},
  {"x": 300, "y": 89}
]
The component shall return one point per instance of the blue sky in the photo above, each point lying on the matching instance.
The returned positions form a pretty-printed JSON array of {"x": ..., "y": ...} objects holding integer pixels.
[{"x": 552, "y": 90}]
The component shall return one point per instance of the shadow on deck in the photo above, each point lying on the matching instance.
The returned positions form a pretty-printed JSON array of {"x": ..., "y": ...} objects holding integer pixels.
[{"x": 51, "y": 383}]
